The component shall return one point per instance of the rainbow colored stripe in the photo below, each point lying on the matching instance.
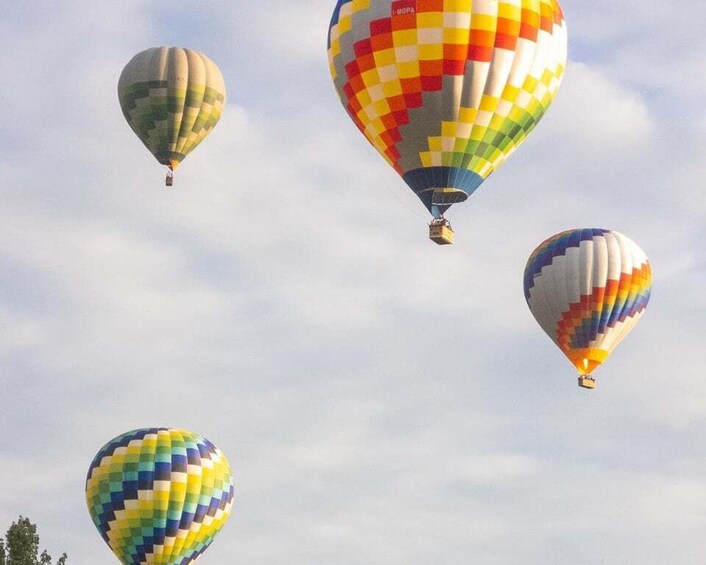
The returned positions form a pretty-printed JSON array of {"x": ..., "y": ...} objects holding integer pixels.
[
  {"x": 588, "y": 288},
  {"x": 446, "y": 90}
]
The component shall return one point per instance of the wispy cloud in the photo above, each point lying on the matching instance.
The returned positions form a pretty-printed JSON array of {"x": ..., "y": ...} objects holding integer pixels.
[{"x": 382, "y": 400}]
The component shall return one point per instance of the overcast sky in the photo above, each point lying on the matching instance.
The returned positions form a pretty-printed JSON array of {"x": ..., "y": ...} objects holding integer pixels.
[{"x": 382, "y": 400}]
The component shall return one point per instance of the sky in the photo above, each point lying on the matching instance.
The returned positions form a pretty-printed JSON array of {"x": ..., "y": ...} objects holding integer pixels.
[{"x": 382, "y": 400}]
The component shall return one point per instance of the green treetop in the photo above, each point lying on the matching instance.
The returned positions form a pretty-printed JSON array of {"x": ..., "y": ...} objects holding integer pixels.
[{"x": 21, "y": 546}]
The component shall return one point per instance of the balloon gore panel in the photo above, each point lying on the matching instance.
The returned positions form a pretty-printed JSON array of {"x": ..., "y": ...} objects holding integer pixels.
[
  {"x": 172, "y": 99},
  {"x": 446, "y": 90},
  {"x": 159, "y": 496},
  {"x": 588, "y": 288}
]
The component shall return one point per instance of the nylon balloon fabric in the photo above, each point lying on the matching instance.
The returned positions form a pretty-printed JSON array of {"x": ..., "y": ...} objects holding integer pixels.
[
  {"x": 172, "y": 98},
  {"x": 446, "y": 90},
  {"x": 159, "y": 496},
  {"x": 588, "y": 288}
]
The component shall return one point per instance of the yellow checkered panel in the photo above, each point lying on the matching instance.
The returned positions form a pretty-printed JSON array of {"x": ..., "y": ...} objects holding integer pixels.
[
  {"x": 159, "y": 496},
  {"x": 446, "y": 90}
]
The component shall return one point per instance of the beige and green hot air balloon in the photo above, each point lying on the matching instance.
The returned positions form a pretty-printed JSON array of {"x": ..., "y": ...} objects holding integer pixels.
[{"x": 172, "y": 98}]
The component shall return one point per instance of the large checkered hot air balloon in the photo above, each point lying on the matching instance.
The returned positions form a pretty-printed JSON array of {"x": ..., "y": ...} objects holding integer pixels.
[
  {"x": 159, "y": 496},
  {"x": 588, "y": 288},
  {"x": 446, "y": 90},
  {"x": 172, "y": 98}
]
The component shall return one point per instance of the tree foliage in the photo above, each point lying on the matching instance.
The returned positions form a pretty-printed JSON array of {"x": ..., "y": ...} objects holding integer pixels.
[{"x": 21, "y": 546}]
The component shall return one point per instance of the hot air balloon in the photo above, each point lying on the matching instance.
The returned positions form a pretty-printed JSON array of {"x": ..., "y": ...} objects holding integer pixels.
[
  {"x": 588, "y": 288},
  {"x": 446, "y": 90},
  {"x": 172, "y": 98},
  {"x": 159, "y": 495}
]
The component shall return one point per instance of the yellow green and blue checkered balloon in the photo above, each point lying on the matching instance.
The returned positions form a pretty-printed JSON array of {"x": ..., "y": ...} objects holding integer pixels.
[
  {"x": 159, "y": 496},
  {"x": 172, "y": 98},
  {"x": 446, "y": 90}
]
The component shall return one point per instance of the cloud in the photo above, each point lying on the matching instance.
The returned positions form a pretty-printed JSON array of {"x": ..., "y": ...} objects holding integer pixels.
[
  {"x": 597, "y": 113},
  {"x": 294, "y": 32},
  {"x": 382, "y": 400},
  {"x": 498, "y": 468}
]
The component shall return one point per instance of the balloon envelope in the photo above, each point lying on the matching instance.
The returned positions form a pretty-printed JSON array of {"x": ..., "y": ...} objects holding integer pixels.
[
  {"x": 588, "y": 288},
  {"x": 172, "y": 98},
  {"x": 446, "y": 90},
  {"x": 159, "y": 495}
]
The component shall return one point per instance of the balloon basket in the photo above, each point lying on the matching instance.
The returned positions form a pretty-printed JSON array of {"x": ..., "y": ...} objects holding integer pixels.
[
  {"x": 169, "y": 181},
  {"x": 587, "y": 382},
  {"x": 441, "y": 233}
]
